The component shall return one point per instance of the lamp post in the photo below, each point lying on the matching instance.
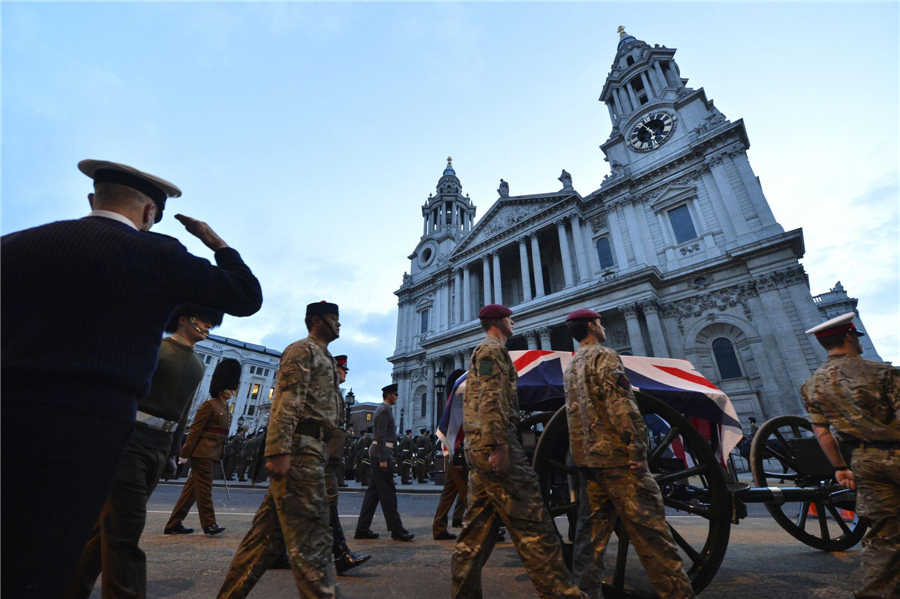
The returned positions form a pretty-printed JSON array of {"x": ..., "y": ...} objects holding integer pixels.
[
  {"x": 440, "y": 380},
  {"x": 349, "y": 402}
]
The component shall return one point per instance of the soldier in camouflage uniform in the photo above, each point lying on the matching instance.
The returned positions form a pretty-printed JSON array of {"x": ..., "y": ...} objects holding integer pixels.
[
  {"x": 294, "y": 513},
  {"x": 860, "y": 399},
  {"x": 502, "y": 486},
  {"x": 424, "y": 449},
  {"x": 608, "y": 440}
]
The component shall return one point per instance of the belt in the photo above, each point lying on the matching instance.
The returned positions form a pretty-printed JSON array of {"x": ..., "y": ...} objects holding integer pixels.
[
  {"x": 215, "y": 430},
  {"x": 313, "y": 430},
  {"x": 856, "y": 444},
  {"x": 155, "y": 422},
  {"x": 386, "y": 444}
]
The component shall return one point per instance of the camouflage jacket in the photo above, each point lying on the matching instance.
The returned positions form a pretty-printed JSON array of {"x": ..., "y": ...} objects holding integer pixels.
[
  {"x": 859, "y": 398},
  {"x": 491, "y": 407},
  {"x": 306, "y": 391},
  {"x": 606, "y": 428}
]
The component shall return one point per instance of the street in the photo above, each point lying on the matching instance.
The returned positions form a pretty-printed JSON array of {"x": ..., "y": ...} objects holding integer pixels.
[{"x": 762, "y": 560}]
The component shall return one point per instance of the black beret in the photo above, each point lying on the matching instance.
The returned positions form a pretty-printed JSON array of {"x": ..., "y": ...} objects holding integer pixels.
[
  {"x": 494, "y": 311},
  {"x": 321, "y": 309},
  {"x": 392, "y": 388},
  {"x": 227, "y": 375}
]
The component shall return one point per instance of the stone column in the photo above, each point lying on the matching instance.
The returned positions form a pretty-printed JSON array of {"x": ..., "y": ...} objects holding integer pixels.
[
  {"x": 615, "y": 234},
  {"x": 660, "y": 77},
  {"x": 654, "y": 325},
  {"x": 637, "y": 244},
  {"x": 446, "y": 303},
  {"x": 632, "y": 96},
  {"x": 763, "y": 210},
  {"x": 532, "y": 338},
  {"x": 523, "y": 261},
  {"x": 580, "y": 258},
  {"x": 725, "y": 190},
  {"x": 624, "y": 100},
  {"x": 651, "y": 93},
  {"x": 536, "y": 265},
  {"x": 401, "y": 310},
  {"x": 544, "y": 333},
  {"x": 486, "y": 278},
  {"x": 718, "y": 205},
  {"x": 429, "y": 386},
  {"x": 564, "y": 251},
  {"x": 457, "y": 281},
  {"x": 467, "y": 295},
  {"x": 612, "y": 115},
  {"x": 630, "y": 311},
  {"x": 458, "y": 358},
  {"x": 424, "y": 226},
  {"x": 498, "y": 288},
  {"x": 646, "y": 240},
  {"x": 590, "y": 248}
]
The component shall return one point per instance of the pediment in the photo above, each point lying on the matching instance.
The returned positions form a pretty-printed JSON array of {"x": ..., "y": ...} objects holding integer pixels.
[
  {"x": 504, "y": 214},
  {"x": 672, "y": 195}
]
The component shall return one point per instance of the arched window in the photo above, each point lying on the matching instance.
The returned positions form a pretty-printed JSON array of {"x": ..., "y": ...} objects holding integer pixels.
[
  {"x": 424, "y": 401},
  {"x": 729, "y": 367},
  {"x": 604, "y": 253},
  {"x": 629, "y": 61}
]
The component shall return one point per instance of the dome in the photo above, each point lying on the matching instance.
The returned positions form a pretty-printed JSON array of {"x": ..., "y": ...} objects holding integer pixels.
[{"x": 449, "y": 171}]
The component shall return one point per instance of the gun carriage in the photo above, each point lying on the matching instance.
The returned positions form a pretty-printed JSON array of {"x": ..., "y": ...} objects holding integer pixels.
[{"x": 792, "y": 477}]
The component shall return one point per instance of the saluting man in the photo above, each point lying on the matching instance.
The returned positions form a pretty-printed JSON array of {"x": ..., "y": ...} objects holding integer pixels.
[
  {"x": 381, "y": 487},
  {"x": 294, "y": 513},
  {"x": 204, "y": 447},
  {"x": 607, "y": 437},
  {"x": 860, "y": 399},
  {"x": 502, "y": 485}
]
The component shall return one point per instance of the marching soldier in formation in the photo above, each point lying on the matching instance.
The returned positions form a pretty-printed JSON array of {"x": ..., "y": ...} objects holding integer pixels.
[
  {"x": 860, "y": 399},
  {"x": 204, "y": 447},
  {"x": 151, "y": 453},
  {"x": 362, "y": 456},
  {"x": 405, "y": 457},
  {"x": 424, "y": 450},
  {"x": 232, "y": 453},
  {"x": 608, "y": 442},
  {"x": 382, "y": 489},
  {"x": 502, "y": 486},
  {"x": 350, "y": 454},
  {"x": 247, "y": 452},
  {"x": 294, "y": 514}
]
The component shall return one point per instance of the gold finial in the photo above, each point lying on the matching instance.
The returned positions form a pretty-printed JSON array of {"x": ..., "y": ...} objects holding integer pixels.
[
  {"x": 449, "y": 160},
  {"x": 621, "y": 31}
]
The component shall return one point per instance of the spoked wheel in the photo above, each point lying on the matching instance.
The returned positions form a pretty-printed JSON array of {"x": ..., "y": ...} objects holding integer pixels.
[
  {"x": 695, "y": 486},
  {"x": 785, "y": 451}
]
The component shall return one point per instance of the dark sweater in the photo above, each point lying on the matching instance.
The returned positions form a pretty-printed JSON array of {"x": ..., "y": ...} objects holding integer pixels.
[
  {"x": 84, "y": 304},
  {"x": 178, "y": 374}
]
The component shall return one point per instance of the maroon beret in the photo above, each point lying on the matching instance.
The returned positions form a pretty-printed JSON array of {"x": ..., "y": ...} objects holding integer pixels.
[
  {"x": 583, "y": 314},
  {"x": 494, "y": 311}
]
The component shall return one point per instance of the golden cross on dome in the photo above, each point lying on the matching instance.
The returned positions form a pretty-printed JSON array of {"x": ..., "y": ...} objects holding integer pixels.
[
  {"x": 449, "y": 160},
  {"x": 621, "y": 31}
]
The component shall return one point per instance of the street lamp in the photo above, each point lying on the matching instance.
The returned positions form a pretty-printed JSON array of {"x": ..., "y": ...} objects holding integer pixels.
[
  {"x": 440, "y": 379},
  {"x": 349, "y": 402}
]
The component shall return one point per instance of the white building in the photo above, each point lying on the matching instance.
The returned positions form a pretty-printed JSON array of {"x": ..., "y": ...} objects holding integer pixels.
[
  {"x": 678, "y": 250},
  {"x": 259, "y": 366}
]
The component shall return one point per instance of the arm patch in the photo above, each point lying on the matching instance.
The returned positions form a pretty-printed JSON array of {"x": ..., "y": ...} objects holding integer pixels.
[
  {"x": 486, "y": 368},
  {"x": 623, "y": 382}
]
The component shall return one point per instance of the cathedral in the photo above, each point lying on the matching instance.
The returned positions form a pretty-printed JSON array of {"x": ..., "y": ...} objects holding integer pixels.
[{"x": 678, "y": 250}]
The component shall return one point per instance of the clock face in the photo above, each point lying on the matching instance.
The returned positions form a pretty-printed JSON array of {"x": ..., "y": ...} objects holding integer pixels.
[{"x": 651, "y": 131}]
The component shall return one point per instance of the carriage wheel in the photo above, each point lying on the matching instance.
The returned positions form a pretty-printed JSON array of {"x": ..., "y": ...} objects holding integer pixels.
[
  {"x": 785, "y": 450},
  {"x": 699, "y": 490}
]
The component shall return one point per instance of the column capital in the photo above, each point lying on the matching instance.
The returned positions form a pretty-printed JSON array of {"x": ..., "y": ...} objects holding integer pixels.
[
  {"x": 531, "y": 335},
  {"x": 650, "y": 306},
  {"x": 544, "y": 332},
  {"x": 560, "y": 221},
  {"x": 630, "y": 310},
  {"x": 712, "y": 160},
  {"x": 574, "y": 217},
  {"x": 523, "y": 238}
]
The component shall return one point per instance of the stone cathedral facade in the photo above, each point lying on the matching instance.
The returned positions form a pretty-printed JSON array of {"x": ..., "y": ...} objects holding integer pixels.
[{"x": 678, "y": 250}]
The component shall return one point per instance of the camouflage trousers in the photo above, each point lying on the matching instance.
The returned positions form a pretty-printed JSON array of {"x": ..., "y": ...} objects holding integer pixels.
[
  {"x": 877, "y": 474},
  {"x": 516, "y": 501},
  {"x": 605, "y": 492},
  {"x": 294, "y": 516}
]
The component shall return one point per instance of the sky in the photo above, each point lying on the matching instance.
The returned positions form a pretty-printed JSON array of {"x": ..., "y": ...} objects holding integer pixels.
[{"x": 309, "y": 135}]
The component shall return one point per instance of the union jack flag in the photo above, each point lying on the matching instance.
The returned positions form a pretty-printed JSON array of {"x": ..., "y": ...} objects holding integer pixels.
[{"x": 675, "y": 382}]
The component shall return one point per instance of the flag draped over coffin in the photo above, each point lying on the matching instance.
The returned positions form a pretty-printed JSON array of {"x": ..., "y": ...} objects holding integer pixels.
[{"x": 675, "y": 382}]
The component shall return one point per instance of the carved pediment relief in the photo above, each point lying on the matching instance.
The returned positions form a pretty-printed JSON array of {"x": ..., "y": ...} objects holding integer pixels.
[{"x": 501, "y": 218}]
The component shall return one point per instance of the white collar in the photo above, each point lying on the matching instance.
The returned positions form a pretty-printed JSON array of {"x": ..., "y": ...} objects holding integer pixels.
[{"x": 114, "y": 216}]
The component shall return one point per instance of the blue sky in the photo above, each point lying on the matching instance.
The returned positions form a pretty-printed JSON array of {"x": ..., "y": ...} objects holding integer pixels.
[{"x": 309, "y": 135}]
